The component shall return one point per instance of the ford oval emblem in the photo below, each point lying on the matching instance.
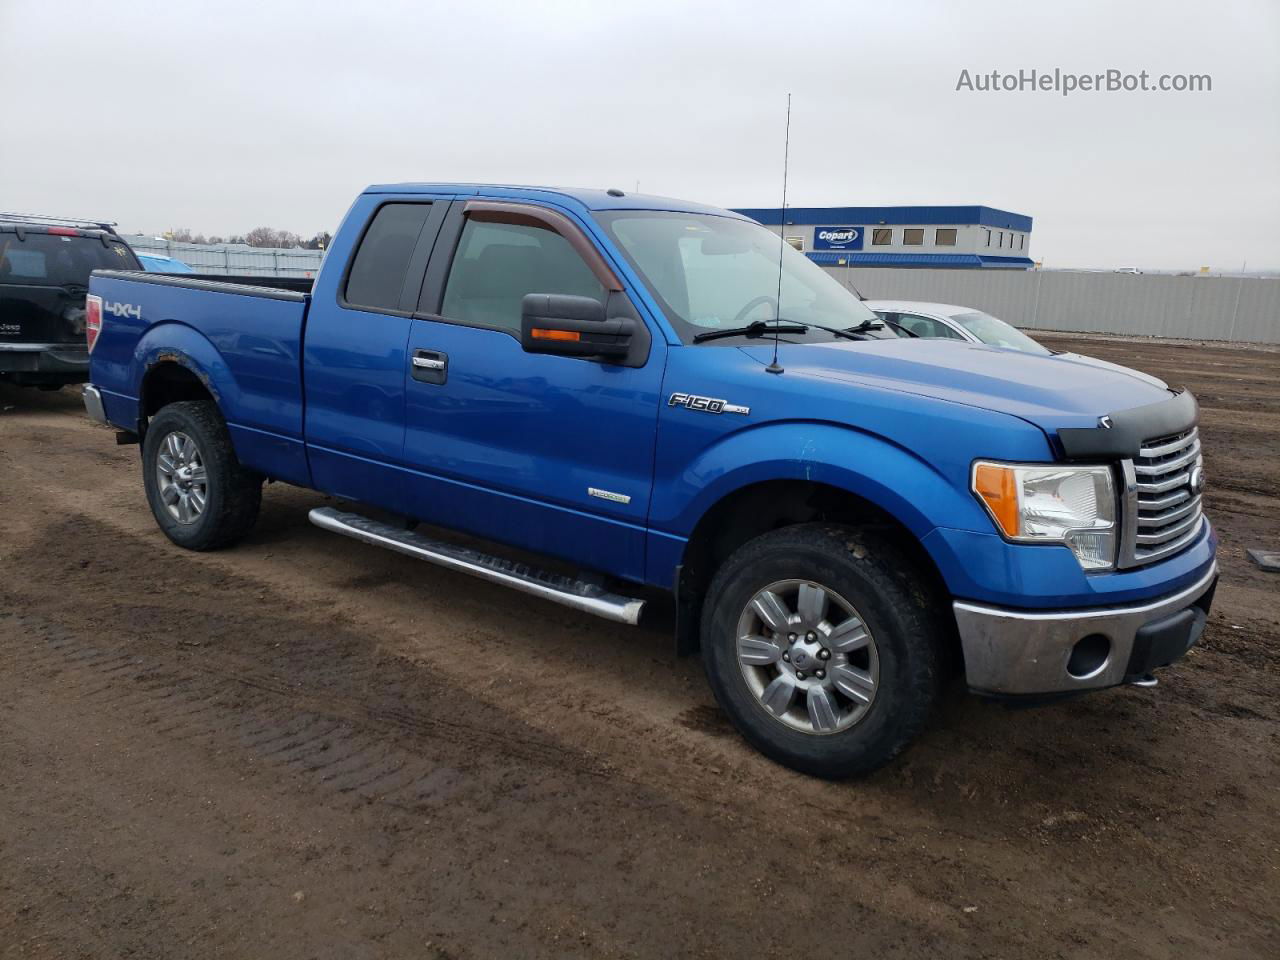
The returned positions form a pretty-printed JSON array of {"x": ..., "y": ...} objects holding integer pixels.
[{"x": 1196, "y": 481}]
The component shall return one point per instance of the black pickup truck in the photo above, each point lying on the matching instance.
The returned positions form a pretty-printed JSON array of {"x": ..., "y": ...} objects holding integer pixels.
[{"x": 45, "y": 264}]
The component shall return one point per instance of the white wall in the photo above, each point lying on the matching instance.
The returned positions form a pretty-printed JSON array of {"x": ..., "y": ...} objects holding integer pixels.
[{"x": 1154, "y": 305}]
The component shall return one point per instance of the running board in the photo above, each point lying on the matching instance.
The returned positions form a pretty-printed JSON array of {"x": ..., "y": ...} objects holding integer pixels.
[{"x": 558, "y": 589}]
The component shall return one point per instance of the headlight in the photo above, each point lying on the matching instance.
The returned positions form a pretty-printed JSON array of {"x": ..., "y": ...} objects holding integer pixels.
[{"x": 1075, "y": 506}]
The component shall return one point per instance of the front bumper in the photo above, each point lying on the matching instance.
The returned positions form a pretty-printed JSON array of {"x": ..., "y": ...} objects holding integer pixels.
[{"x": 1021, "y": 652}]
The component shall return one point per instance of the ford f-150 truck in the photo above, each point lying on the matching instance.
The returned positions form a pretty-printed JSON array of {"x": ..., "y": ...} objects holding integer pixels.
[{"x": 665, "y": 395}]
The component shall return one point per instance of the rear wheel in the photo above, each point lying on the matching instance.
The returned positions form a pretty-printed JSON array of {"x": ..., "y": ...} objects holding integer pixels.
[
  {"x": 200, "y": 495},
  {"x": 823, "y": 647}
]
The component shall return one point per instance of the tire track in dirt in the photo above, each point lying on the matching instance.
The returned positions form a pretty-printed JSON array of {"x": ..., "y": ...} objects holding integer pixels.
[{"x": 246, "y": 689}]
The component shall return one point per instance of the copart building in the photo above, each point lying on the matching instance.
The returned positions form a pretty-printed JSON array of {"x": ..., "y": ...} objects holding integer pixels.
[{"x": 973, "y": 237}]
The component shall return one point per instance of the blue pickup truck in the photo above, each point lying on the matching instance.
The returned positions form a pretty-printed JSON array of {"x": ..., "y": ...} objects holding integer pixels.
[{"x": 658, "y": 394}]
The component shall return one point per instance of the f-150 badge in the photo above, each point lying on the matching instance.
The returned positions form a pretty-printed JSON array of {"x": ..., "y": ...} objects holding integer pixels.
[{"x": 705, "y": 404}]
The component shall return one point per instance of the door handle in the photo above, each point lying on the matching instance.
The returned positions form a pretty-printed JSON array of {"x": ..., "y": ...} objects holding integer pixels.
[{"x": 429, "y": 366}]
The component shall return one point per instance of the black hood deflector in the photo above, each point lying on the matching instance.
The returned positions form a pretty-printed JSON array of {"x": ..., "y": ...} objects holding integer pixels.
[{"x": 1129, "y": 428}]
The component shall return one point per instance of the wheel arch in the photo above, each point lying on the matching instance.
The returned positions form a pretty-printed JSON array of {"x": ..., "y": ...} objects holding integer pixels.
[
  {"x": 170, "y": 380},
  {"x": 173, "y": 362},
  {"x": 760, "y": 507}
]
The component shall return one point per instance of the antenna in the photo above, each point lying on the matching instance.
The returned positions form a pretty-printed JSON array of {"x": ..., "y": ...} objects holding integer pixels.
[{"x": 782, "y": 241}]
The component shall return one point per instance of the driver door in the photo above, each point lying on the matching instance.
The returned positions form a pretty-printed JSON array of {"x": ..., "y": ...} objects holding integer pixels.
[{"x": 550, "y": 453}]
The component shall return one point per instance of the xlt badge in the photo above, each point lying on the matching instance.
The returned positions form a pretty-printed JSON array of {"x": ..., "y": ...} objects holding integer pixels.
[{"x": 706, "y": 404}]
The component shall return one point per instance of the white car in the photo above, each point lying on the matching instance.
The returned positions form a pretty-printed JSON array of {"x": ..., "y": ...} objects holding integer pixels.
[{"x": 947, "y": 321}]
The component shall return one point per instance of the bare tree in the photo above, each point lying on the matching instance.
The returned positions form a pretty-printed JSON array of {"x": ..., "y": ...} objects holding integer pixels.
[
  {"x": 270, "y": 237},
  {"x": 257, "y": 237}
]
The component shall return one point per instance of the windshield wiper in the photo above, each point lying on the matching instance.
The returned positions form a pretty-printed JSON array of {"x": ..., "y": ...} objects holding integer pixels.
[
  {"x": 757, "y": 329},
  {"x": 850, "y": 334},
  {"x": 874, "y": 323}
]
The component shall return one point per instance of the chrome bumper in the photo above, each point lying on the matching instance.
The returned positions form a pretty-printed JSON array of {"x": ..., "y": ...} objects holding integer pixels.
[
  {"x": 1017, "y": 652},
  {"x": 93, "y": 403}
]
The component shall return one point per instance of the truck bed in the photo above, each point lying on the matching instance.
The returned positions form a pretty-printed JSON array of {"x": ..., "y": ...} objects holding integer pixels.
[{"x": 243, "y": 335}]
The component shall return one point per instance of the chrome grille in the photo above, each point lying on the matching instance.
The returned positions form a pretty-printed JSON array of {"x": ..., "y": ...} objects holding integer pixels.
[{"x": 1163, "y": 503}]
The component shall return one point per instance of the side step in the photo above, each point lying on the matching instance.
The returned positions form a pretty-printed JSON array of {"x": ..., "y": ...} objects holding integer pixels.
[{"x": 558, "y": 589}]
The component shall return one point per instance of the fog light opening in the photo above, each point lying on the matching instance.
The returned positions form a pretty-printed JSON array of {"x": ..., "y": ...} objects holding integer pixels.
[{"x": 1089, "y": 656}]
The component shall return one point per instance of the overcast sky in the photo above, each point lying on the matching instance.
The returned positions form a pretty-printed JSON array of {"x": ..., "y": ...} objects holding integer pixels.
[{"x": 229, "y": 115}]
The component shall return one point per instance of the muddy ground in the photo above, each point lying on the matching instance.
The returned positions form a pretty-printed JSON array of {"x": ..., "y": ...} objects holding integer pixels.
[{"x": 308, "y": 747}]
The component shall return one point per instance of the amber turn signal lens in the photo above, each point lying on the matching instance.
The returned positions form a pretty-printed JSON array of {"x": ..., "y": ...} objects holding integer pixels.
[
  {"x": 998, "y": 488},
  {"x": 540, "y": 334}
]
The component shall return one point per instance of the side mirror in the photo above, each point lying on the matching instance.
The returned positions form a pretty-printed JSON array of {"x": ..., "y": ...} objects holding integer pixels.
[{"x": 572, "y": 327}]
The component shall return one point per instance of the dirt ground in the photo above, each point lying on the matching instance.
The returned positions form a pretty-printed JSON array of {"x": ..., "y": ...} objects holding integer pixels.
[{"x": 308, "y": 747}]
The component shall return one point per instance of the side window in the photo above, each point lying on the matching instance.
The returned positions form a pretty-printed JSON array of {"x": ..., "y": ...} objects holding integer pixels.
[
  {"x": 378, "y": 271},
  {"x": 928, "y": 328},
  {"x": 497, "y": 264}
]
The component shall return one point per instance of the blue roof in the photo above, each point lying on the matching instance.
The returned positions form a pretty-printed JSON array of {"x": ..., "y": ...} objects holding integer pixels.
[
  {"x": 868, "y": 216},
  {"x": 836, "y": 258},
  {"x": 592, "y": 199}
]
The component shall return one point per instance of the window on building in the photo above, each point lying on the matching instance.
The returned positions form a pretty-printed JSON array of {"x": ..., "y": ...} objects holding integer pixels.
[
  {"x": 1001, "y": 243},
  {"x": 797, "y": 242},
  {"x": 945, "y": 236},
  {"x": 1022, "y": 241},
  {"x": 378, "y": 271},
  {"x": 881, "y": 236},
  {"x": 913, "y": 236},
  {"x": 496, "y": 264},
  {"x": 988, "y": 232}
]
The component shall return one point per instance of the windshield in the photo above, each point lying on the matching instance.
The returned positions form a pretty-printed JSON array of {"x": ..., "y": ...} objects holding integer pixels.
[
  {"x": 52, "y": 260},
  {"x": 996, "y": 332},
  {"x": 712, "y": 273}
]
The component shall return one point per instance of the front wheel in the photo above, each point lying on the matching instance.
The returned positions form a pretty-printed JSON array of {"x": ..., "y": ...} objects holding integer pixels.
[
  {"x": 822, "y": 645},
  {"x": 200, "y": 495}
]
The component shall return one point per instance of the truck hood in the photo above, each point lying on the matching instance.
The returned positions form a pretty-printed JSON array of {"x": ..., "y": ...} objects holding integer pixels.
[{"x": 1061, "y": 390}]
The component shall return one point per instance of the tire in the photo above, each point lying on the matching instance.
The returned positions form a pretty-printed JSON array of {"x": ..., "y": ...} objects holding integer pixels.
[
  {"x": 229, "y": 497},
  {"x": 879, "y": 624}
]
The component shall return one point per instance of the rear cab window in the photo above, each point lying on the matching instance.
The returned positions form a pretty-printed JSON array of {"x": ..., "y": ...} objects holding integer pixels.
[{"x": 379, "y": 269}]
